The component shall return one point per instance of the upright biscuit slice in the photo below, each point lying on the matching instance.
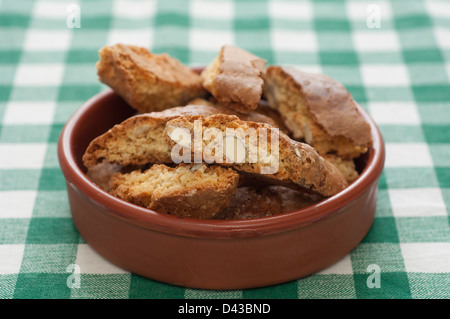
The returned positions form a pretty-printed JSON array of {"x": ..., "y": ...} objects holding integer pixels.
[
  {"x": 235, "y": 78},
  {"x": 319, "y": 110},
  {"x": 194, "y": 190},
  {"x": 147, "y": 82},
  {"x": 255, "y": 148}
]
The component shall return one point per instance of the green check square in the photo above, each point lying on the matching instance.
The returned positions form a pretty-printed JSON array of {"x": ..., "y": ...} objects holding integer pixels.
[
  {"x": 34, "y": 93},
  {"x": 402, "y": 133},
  {"x": 393, "y": 285},
  {"x": 80, "y": 74},
  {"x": 329, "y": 9},
  {"x": 422, "y": 55},
  {"x": 389, "y": 93},
  {"x": 48, "y": 258},
  {"x": 380, "y": 57},
  {"x": 42, "y": 286},
  {"x": 52, "y": 179},
  {"x": 143, "y": 288},
  {"x": 246, "y": 24},
  {"x": 338, "y": 58},
  {"x": 79, "y": 92},
  {"x": 24, "y": 133},
  {"x": 384, "y": 208},
  {"x": 423, "y": 229},
  {"x": 51, "y": 204},
  {"x": 171, "y": 19},
  {"x": 440, "y": 153},
  {"x": 410, "y": 177},
  {"x": 14, "y": 20},
  {"x": 288, "y": 290},
  {"x": 64, "y": 110},
  {"x": 250, "y": 9},
  {"x": 320, "y": 286},
  {"x": 254, "y": 40},
  {"x": 23, "y": 7},
  {"x": 383, "y": 230},
  {"x": 126, "y": 23},
  {"x": 45, "y": 230},
  {"x": 411, "y": 22},
  {"x": 7, "y": 72},
  {"x": 8, "y": 283},
  {"x": 429, "y": 286},
  {"x": 428, "y": 111},
  {"x": 43, "y": 57},
  {"x": 190, "y": 293},
  {"x": 83, "y": 55},
  {"x": 431, "y": 93},
  {"x": 358, "y": 92},
  {"x": 436, "y": 133},
  {"x": 443, "y": 175},
  {"x": 95, "y": 22},
  {"x": 4, "y": 92},
  {"x": 88, "y": 39},
  {"x": 387, "y": 256},
  {"x": 334, "y": 41},
  {"x": 347, "y": 75},
  {"x": 9, "y": 56},
  {"x": 417, "y": 39},
  {"x": 427, "y": 74},
  {"x": 12, "y": 41},
  {"x": 105, "y": 286},
  {"x": 13, "y": 230},
  {"x": 330, "y": 24}
]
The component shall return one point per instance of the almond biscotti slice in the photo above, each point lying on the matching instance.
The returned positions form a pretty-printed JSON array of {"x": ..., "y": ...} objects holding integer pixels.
[
  {"x": 318, "y": 110},
  {"x": 235, "y": 78},
  {"x": 148, "y": 82},
  {"x": 254, "y": 148},
  {"x": 196, "y": 190}
]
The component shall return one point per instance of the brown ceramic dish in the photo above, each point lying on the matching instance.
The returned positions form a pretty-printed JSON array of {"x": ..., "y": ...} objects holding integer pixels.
[{"x": 211, "y": 254}]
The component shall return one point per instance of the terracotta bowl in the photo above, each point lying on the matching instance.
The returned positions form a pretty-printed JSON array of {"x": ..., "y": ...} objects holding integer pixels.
[{"x": 211, "y": 254}]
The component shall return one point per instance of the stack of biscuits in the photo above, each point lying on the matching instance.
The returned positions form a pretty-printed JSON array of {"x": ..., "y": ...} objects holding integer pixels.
[{"x": 312, "y": 126}]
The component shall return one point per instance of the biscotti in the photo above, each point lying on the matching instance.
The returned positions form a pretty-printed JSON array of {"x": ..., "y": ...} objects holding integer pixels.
[
  {"x": 235, "y": 78},
  {"x": 140, "y": 139},
  {"x": 318, "y": 110},
  {"x": 275, "y": 159},
  {"x": 148, "y": 82},
  {"x": 195, "y": 190}
]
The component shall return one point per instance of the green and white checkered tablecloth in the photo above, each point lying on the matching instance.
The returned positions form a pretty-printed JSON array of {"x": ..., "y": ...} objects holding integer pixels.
[{"x": 398, "y": 70}]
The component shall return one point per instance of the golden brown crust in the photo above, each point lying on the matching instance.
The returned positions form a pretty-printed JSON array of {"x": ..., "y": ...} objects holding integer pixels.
[
  {"x": 293, "y": 164},
  {"x": 194, "y": 190},
  {"x": 345, "y": 166},
  {"x": 319, "y": 110},
  {"x": 235, "y": 78},
  {"x": 147, "y": 82}
]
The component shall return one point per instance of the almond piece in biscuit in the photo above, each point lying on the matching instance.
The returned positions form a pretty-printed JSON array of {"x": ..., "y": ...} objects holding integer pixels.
[
  {"x": 147, "y": 82},
  {"x": 196, "y": 190},
  {"x": 235, "y": 78},
  {"x": 318, "y": 110},
  {"x": 273, "y": 157}
]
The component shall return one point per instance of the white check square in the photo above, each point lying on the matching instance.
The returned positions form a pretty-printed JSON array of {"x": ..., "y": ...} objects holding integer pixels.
[
  {"x": 417, "y": 202},
  {"x": 301, "y": 41},
  {"x": 143, "y": 37},
  {"x": 17, "y": 204},
  {"x": 212, "y": 10},
  {"x": 442, "y": 37},
  {"x": 90, "y": 262},
  {"x": 26, "y": 156},
  {"x": 426, "y": 257},
  {"x": 290, "y": 10},
  {"x": 41, "y": 74},
  {"x": 210, "y": 40},
  {"x": 29, "y": 112},
  {"x": 408, "y": 155},
  {"x": 342, "y": 267},
  {"x": 385, "y": 75},
  {"x": 394, "y": 113},
  {"x": 438, "y": 8},
  {"x": 47, "y": 40},
  {"x": 376, "y": 40},
  {"x": 11, "y": 258},
  {"x": 52, "y": 9},
  {"x": 134, "y": 9}
]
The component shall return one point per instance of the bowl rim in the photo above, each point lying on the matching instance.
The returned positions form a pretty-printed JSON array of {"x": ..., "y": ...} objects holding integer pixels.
[{"x": 209, "y": 228}]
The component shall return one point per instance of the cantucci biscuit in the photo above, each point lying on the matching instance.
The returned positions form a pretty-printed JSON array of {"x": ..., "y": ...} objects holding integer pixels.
[
  {"x": 148, "y": 82},
  {"x": 235, "y": 78},
  {"x": 195, "y": 190},
  {"x": 271, "y": 155},
  {"x": 318, "y": 110}
]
